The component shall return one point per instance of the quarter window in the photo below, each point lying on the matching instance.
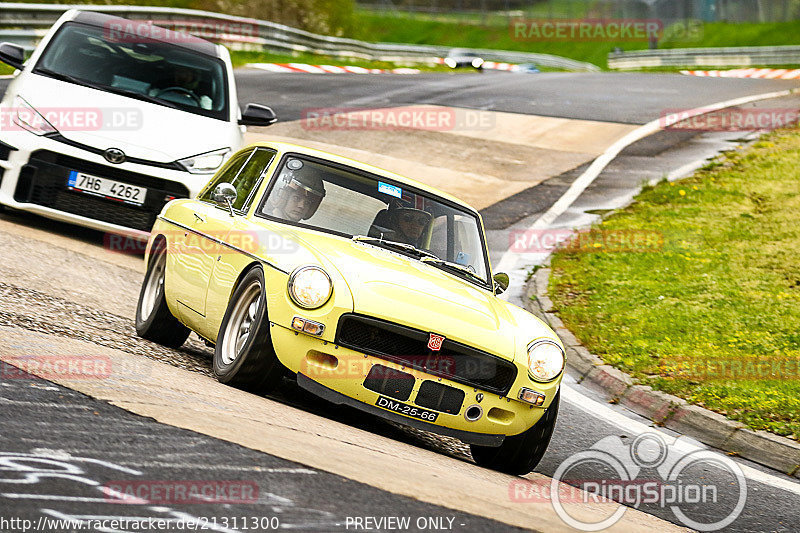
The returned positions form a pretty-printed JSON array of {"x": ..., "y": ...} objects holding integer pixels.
[{"x": 244, "y": 171}]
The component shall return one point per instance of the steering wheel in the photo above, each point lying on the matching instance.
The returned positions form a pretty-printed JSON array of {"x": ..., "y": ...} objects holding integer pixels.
[{"x": 181, "y": 90}]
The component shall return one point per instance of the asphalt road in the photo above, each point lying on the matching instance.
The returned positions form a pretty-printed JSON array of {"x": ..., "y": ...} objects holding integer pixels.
[
  {"x": 80, "y": 448},
  {"x": 772, "y": 499},
  {"x": 614, "y": 97}
]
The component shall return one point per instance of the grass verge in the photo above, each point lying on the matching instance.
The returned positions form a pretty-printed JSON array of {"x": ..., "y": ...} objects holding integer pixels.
[
  {"x": 494, "y": 32},
  {"x": 713, "y": 316}
]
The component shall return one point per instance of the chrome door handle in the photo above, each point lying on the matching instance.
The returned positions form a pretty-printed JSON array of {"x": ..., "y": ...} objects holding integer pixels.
[{"x": 199, "y": 218}]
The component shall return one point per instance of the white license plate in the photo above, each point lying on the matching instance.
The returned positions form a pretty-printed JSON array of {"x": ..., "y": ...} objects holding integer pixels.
[{"x": 130, "y": 194}]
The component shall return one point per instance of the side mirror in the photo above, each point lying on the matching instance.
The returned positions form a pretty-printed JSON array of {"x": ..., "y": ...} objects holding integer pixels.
[
  {"x": 258, "y": 115},
  {"x": 500, "y": 282},
  {"x": 224, "y": 194},
  {"x": 12, "y": 55}
]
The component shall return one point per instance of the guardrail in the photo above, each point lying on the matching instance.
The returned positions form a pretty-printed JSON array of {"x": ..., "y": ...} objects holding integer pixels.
[
  {"x": 707, "y": 57},
  {"x": 261, "y": 35}
]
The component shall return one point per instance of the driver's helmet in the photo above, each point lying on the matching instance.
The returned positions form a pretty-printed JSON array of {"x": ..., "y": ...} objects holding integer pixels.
[{"x": 298, "y": 181}]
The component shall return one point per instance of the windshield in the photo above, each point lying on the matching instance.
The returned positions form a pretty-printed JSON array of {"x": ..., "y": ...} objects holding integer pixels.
[
  {"x": 157, "y": 72},
  {"x": 378, "y": 211}
]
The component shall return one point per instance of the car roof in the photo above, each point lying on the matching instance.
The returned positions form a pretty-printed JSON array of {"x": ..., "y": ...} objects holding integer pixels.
[
  {"x": 101, "y": 20},
  {"x": 288, "y": 147}
]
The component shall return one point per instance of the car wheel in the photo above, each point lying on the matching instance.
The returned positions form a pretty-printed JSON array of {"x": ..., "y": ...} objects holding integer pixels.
[
  {"x": 154, "y": 321},
  {"x": 519, "y": 455},
  {"x": 244, "y": 356}
]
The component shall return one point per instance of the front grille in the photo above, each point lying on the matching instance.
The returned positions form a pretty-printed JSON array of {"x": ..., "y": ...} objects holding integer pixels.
[
  {"x": 439, "y": 397},
  {"x": 409, "y": 347},
  {"x": 5, "y": 151},
  {"x": 389, "y": 382},
  {"x": 43, "y": 181}
]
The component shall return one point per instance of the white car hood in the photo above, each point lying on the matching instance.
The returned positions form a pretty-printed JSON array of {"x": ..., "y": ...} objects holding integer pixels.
[{"x": 154, "y": 132}]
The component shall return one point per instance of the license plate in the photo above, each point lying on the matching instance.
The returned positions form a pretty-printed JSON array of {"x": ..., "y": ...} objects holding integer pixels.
[
  {"x": 405, "y": 409},
  {"x": 130, "y": 194}
]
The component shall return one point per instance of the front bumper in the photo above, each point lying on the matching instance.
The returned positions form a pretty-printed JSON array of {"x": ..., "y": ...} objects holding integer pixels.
[
  {"x": 342, "y": 375},
  {"x": 35, "y": 174},
  {"x": 470, "y": 437}
]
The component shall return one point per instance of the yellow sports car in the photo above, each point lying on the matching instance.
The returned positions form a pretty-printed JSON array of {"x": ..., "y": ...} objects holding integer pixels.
[{"x": 374, "y": 290}]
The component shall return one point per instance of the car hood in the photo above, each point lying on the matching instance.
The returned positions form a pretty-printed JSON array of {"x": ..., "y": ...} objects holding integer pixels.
[
  {"x": 400, "y": 289},
  {"x": 144, "y": 130}
]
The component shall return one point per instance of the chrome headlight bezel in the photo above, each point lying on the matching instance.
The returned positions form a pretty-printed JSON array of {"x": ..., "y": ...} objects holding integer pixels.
[
  {"x": 559, "y": 362},
  {"x": 295, "y": 280}
]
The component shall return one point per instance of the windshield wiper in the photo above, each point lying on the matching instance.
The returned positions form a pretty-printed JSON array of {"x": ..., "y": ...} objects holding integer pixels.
[
  {"x": 141, "y": 96},
  {"x": 424, "y": 254},
  {"x": 454, "y": 267},
  {"x": 66, "y": 77},
  {"x": 107, "y": 88}
]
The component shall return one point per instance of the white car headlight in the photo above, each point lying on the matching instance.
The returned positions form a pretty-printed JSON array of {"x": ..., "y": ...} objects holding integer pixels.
[
  {"x": 206, "y": 163},
  {"x": 310, "y": 287},
  {"x": 545, "y": 360},
  {"x": 27, "y": 118}
]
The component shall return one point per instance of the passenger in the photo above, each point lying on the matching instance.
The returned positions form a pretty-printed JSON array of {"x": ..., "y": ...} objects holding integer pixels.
[{"x": 410, "y": 225}]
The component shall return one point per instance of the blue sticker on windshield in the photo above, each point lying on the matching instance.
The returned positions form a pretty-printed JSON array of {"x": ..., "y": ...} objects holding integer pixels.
[{"x": 390, "y": 189}]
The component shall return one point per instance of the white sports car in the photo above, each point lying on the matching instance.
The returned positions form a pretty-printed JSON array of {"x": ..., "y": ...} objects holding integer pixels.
[{"x": 109, "y": 119}]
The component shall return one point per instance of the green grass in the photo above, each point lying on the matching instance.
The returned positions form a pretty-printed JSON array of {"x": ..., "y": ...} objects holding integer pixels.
[
  {"x": 724, "y": 288},
  {"x": 240, "y": 59},
  {"x": 493, "y": 32},
  {"x": 5, "y": 69}
]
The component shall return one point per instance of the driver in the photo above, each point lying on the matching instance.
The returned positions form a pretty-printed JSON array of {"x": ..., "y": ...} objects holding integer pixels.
[
  {"x": 410, "y": 224},
  {"x": 297, "y": 195},
  {"x": 185, "y": 82}
]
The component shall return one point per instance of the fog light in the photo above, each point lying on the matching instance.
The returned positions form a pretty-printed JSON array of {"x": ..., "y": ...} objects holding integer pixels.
[
  {"x": 530, "y": 396},
  {"x": 308, "y": 326}
]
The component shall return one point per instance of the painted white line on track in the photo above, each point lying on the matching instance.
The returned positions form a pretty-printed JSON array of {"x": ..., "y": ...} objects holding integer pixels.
[{"x": 686, "y": 445}]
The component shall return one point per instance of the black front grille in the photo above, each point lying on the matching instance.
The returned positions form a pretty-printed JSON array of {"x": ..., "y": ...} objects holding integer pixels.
[
  {"x": 43, "y": 181},
  {"x": 5, "y": 151},
  {"x": 439, "y": 397},
  {"x": 389, "y": 382},
  {"x": 409, "y": 347}
]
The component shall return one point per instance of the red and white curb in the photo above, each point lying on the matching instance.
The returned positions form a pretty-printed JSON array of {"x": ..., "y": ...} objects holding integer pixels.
[
  {"x": 762, "y": 73},
  {"x": 328, "y": 69}
]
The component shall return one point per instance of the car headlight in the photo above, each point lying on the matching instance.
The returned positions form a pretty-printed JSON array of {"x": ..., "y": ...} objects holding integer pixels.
[
  {"x": 27, "y": 118},
  {"x": 310, "y": 287},
  {"x": 206, "y": 163},
  {"x": 545, "y": 360}
]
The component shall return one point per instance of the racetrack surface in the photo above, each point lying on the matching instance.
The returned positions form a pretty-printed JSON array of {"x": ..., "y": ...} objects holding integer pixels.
[{"x": 50, "y": 274}]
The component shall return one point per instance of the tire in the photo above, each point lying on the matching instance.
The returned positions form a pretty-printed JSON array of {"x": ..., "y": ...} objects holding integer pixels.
[
  {"x": 154, "y": 321},
  {"x": 519, "y": 455},
  {"x": 243, "y": 356}
]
